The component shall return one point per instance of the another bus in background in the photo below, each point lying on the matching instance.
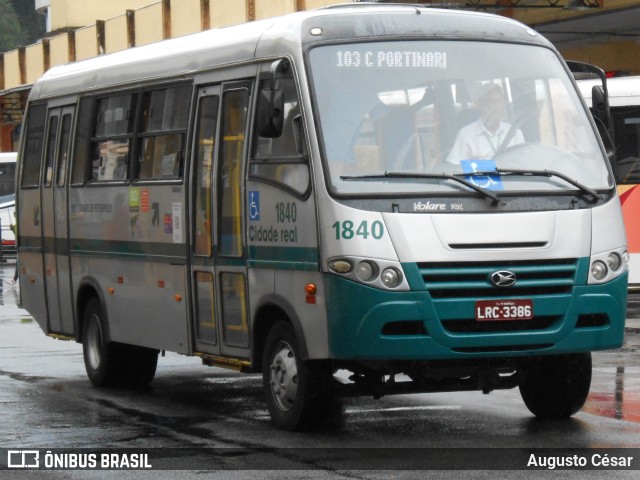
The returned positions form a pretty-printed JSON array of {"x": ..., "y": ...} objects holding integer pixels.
[
  {"x": 624, "y": 102},
  {"x": 7, "y": 202}
]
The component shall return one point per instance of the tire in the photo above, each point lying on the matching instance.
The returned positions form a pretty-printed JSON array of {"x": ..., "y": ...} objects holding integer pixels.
[
  {"x": 99, "y": 354},
  {"x": 556, "y": 387},
  {"x": 138, "y": 365},
  {"x": 298, "y": 394},
  {"x": 109, "y": 363}
]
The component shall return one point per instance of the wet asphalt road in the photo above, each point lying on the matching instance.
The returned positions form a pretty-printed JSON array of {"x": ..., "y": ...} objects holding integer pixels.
[{"x": 46, "y": 402}]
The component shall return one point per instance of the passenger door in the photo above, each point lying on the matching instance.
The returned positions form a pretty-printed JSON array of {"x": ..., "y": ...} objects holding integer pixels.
[
  {"x": 54, "y": 220},
  {"x": 218, "y": 250}
]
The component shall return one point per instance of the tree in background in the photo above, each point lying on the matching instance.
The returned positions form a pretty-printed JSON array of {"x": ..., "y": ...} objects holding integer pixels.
[
  {"x": 20, "y": 24},
  {"x": 12, "y": 34},
  {"x": 33, "y": 24}
]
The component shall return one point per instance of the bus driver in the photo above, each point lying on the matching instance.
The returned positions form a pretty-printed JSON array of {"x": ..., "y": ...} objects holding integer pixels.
[{"x": 481, "y": 139}]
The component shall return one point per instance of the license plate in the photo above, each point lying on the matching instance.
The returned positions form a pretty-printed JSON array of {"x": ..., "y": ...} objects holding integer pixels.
[{"x": 504, "y": 310}]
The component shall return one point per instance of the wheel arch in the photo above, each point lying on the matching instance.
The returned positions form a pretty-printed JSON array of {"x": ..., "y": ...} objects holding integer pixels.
[
  {"x": 268, "y": 312},
  {"x": 89, "y": 288}
]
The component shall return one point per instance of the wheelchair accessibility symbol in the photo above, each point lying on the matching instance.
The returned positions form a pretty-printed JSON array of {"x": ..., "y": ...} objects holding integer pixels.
[
  {"x": 490, "y": 182},
  {"x": 254, "y": 206}
]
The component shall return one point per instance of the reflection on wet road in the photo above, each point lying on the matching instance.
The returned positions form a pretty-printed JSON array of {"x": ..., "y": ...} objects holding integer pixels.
[{"x": 615, "y": 393}]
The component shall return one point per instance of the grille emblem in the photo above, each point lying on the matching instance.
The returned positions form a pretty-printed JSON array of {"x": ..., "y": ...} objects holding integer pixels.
[{"x": 503, "y": 278}]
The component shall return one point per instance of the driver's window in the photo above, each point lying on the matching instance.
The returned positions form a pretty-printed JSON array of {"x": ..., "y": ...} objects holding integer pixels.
[{"x": 282, "y": 160}]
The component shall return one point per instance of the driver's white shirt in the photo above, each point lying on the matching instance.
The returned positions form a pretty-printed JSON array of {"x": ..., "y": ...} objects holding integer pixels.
[{"x": 475, "y": 142}]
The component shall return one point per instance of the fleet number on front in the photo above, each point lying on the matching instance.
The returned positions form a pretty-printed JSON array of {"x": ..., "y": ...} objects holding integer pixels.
[{"x": 347, "y": 230}]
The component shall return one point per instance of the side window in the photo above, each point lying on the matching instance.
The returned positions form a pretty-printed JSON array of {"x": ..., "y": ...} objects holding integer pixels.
[
  {"x": 111, "y": 143},
  {"x": 282, "y": 160},
  {"x": 165, "y": 114},
  {"x": 205, "y": 144},
  {"x": 234, "y": 107},
  {"x": 51, "y": 150},
  {"x": 83, "y": 141},
  {"x": 65, "y": 144},
  {"x": 33, "y": 144}
]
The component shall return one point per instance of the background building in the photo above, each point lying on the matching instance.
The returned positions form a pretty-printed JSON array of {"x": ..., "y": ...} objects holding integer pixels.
[{"x": 602, "y": 32}]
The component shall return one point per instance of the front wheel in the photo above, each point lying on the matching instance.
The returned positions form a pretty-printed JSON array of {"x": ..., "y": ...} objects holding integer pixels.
[
  {"x": 556, "y": 387},
  {"x": 298, "y": 394}
]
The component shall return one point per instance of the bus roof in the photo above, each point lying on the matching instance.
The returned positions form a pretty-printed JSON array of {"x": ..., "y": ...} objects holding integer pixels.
[
  {"x": 623, "y": 91},
  {"x": 275, "y": 37}
]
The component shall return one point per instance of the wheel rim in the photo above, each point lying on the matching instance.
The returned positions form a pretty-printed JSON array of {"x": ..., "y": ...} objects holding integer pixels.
[
  {"x": 284, "y": 377},
  {"x": 94, "y": 343}
]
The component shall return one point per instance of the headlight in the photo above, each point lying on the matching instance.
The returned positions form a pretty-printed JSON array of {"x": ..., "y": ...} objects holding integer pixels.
[
  {"x": 365, "y": 271},
  {"x": 379, "y": 273},
  {"x": 599, "y": 270},
  {"x": 609, "y": 265},
  {"x": 390, "y": 277},
  {"x": 614, "y": 261}
]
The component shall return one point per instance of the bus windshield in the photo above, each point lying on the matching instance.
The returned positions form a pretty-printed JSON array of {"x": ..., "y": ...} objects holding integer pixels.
[{"x": 452, "y": 107}]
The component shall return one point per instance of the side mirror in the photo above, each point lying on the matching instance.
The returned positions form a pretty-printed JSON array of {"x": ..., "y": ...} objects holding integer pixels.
[
  {"x": 270, "y": 113},
  {"x": 599, "y": 93},
  {"x": 271, "y": 104},
  {"x": 600, "y": 105},
  {"x": 602, "y": 118}
]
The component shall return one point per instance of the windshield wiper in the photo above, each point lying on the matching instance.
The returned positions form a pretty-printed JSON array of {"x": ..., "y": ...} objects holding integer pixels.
[
  {"x": 539, "y": 173},
  {"x": 495, "y": 199}
]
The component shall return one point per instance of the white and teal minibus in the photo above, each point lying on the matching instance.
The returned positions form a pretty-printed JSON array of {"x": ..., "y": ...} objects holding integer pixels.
[{"x": 415, "y": 199}]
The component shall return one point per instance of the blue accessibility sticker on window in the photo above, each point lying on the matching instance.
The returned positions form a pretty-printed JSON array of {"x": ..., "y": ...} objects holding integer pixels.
[{"x": 490, "y": 182}]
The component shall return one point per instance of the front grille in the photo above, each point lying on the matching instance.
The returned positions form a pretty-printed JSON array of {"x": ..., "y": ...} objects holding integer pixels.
[{"x": 472, "y": 279}]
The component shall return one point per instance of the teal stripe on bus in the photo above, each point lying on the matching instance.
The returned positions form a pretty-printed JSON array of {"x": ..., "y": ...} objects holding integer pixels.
[
  {"x": 168, "y": 252},
  {"x": 283, "y": 258},
  {"x": 152, "y": 249}
]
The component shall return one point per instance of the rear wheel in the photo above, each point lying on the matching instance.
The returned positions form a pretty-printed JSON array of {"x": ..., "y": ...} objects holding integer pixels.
[
  {"x": 298, "y": 393},
  {"x": 108, "y": 363},
  {"x": 556, "y": 387},
  {"x": 99, "y": 353},
  {"x": 138, "y": 364}
]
